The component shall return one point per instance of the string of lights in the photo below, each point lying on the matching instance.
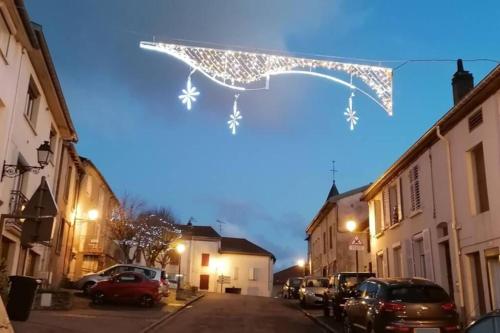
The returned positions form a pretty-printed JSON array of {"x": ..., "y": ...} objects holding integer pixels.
[{"x": 242, "y": 70}]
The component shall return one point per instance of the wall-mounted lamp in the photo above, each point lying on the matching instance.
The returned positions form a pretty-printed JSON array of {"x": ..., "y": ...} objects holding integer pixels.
[{"x": 44, "y": 154}]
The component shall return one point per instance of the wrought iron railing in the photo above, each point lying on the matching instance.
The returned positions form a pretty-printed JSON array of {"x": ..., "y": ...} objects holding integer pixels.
[{"x": 17, "y": 202}]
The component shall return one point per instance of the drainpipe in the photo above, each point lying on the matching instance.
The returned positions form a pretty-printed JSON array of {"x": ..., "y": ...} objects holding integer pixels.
[{"x": 454, "y": 227}]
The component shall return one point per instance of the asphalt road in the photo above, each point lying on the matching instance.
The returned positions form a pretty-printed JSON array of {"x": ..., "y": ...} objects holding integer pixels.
[{"x": 235, "y": 313}]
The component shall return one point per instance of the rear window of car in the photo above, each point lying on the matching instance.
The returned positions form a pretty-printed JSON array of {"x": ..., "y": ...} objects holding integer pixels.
[
  {"x": 418, "y": 294},
  {"x": 150, "y": 274},
  {"x": 353, "y": 281},
  {"x": 318, "y": 283}
]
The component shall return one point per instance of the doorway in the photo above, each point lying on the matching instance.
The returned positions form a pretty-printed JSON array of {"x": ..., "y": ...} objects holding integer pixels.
[
  {"x": 204, "y": 281},
  {"x": 445, "y": 258},
  {"x": 477, "y": 283}
]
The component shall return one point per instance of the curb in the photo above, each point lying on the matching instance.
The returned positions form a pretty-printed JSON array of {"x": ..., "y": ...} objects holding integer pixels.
[
  {"x": 170, "y": 315},
  {"x": 318, "y": 321}
]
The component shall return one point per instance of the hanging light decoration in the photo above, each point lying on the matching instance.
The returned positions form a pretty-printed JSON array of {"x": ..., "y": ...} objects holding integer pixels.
[
  {"x": 235, "y": 116},
  {"x": 189, "y": 94},
  {"x": 241, "y": 70}
]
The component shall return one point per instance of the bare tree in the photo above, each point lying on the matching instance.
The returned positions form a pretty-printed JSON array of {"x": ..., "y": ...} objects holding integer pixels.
[
  {"x": 125, "y": 226},
  {"x": 157, "y": 233}
]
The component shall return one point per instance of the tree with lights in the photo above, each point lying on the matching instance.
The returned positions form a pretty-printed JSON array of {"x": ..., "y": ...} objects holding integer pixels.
[
  {"x": 157, "y": 233},
  {"x": 124, "y": 227}
]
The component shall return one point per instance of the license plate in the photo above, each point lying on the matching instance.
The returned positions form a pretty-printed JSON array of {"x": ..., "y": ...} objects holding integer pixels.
[{"x": 427, "y": 330}]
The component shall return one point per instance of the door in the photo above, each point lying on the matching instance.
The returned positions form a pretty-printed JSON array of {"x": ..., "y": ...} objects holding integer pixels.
[
  {"x": 355, "y": 305},
  {"x": 204, "y": 281},
  {"x": 368, "y": 299},
  {"x": 125, "y": 289}
]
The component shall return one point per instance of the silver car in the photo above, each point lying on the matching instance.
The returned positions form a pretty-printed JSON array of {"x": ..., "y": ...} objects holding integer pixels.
[
  {"x": 89, "y": 280},
  {"x": 312, "y": 290}
]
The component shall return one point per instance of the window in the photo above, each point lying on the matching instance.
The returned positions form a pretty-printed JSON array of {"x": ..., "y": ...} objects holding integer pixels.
[
  {"x": 205, "y": 259},
  {"x": 67, "y": 186},
  {"x": 419, "y": 257},
  {"x": 4, "y": 35},
  {"x": 397, "y": 261},
  {"x": 480, "y": 188},
  {"x": 378, "y": 215},
  {"x": 330, "y": 229},
  {"x": 393, "y": 204},
  {"x": 371, "y": 290},
  {"x": 252, "y": 274},
  {"x": 32, "y": 99},
  {"x": 415, "y": 189}
]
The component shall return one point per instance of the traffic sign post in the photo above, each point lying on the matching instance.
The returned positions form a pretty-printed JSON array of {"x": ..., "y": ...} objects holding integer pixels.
[{"x": 356, "y": 245}]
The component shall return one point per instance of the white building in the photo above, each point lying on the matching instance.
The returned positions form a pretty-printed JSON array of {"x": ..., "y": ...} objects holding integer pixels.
[
  {"x": 208, "y": 256},
  {"x": 32, "y": 110},
  {"x": 435, "y": 212},
  {"x": 329, "y": 239}
]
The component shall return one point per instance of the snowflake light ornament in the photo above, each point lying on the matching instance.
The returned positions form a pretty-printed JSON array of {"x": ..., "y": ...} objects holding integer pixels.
[
  {"x": 352, "y": 119},
  {"x": 189, "y": 94},
  {"x": 235, "y": 116}
]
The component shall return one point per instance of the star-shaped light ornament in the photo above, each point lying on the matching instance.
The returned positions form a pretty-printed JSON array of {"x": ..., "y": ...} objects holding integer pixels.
[
  {"x": 189, "y": 94},
  {"x": 235, "y": 116},
  {"x": 352, "y": 119}
]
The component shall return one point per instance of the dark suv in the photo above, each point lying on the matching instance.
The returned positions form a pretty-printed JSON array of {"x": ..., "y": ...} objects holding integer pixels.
[
  {"x": 341, "y": 288},
  {"x": 291, "y": 287},
  {"x": 400, "y": 305}
]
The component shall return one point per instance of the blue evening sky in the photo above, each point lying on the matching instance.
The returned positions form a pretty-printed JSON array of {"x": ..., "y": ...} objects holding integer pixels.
[{"x": 270, "y": 179}]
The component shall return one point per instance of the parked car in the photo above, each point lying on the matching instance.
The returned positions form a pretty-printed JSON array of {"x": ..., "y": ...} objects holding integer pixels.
[
  {"x": 312, "y": 290},
  {"x": 489, "y": 323},
  {"x": 128, "y": 287},
  {"x": 291, "y": 287},
  {"x": 88, "y": 280},
  {"x": 400, "y": 305},
  {"x": 342, "y": 287}
]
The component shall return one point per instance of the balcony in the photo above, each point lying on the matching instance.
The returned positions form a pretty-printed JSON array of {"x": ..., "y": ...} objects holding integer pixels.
[{"x": 17, "y": 203}]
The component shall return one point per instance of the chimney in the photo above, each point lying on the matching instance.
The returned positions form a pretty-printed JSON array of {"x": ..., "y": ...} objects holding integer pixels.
[{"x": 462, "y": 82}]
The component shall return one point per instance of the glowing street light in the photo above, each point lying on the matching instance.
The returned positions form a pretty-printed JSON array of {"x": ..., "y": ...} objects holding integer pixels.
[
  {"x": 302, "y": 264},
  {"x": 92, "y": 214},
  {"x": 351, "y": 225}
]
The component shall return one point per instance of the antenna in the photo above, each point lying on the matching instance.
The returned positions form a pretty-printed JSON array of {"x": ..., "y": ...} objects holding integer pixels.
[
  {"x": 334, "y": 171},
  {"x": 220, "y": 225}
]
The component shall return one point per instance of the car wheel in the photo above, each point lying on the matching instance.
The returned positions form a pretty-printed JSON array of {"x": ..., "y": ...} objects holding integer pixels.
[
  {"x": 347, "y": 325},
  {"x": 98, "y": 298},
  {"x": 146, "y": 301},
  {"x": 87, "y": 286}
]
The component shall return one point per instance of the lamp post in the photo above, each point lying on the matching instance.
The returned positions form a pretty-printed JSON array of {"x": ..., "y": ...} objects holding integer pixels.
[
  {"x": 180, "y": 248},
  {"x": 44, "y": 154},
  {"x": 351, "y": 226},
  {"x": 302, "y": 264}
]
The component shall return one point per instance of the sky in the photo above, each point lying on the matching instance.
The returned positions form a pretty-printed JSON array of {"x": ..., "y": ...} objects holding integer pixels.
[{"x": 268, "y": 181}]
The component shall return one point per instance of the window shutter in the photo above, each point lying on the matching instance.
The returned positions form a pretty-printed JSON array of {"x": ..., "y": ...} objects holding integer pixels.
[
  {"x": 387, "y": 268},
  {"x": 415, "y": 188},
  {"x": 408, "y": 254},
  {"x": 400, "y": 199},
  {"x": 387, "y": 208},
  {"x": 429, "y": 267}
]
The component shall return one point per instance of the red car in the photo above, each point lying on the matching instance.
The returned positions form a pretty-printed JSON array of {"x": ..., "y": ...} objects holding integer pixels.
[{"x": 128, "y": 287}]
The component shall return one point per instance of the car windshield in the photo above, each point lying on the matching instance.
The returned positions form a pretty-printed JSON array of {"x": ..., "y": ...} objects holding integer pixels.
[
  {"x": 353, "y": 281},
  {"x": 295, "y": 282},
  {"x": 318, "y": 283},
  {"x": 418, "y": 294}
]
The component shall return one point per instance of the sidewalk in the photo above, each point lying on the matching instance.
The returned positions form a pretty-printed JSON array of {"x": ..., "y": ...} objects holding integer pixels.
[
  {"x": 328, "y": 323},
  {"x": 84, "y": 317}
]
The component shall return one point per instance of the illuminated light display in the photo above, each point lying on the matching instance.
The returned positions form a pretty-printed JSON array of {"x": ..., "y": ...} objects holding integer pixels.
[{"x": 242, "y": 70}]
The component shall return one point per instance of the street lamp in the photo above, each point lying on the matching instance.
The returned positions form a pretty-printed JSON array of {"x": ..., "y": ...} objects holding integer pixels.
[
  {"x": 180, "y": 248},
  {"x": 302, "y": 264},
  {"x": 44, "y": 154},
  {"x": 92, "y": 214}
]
